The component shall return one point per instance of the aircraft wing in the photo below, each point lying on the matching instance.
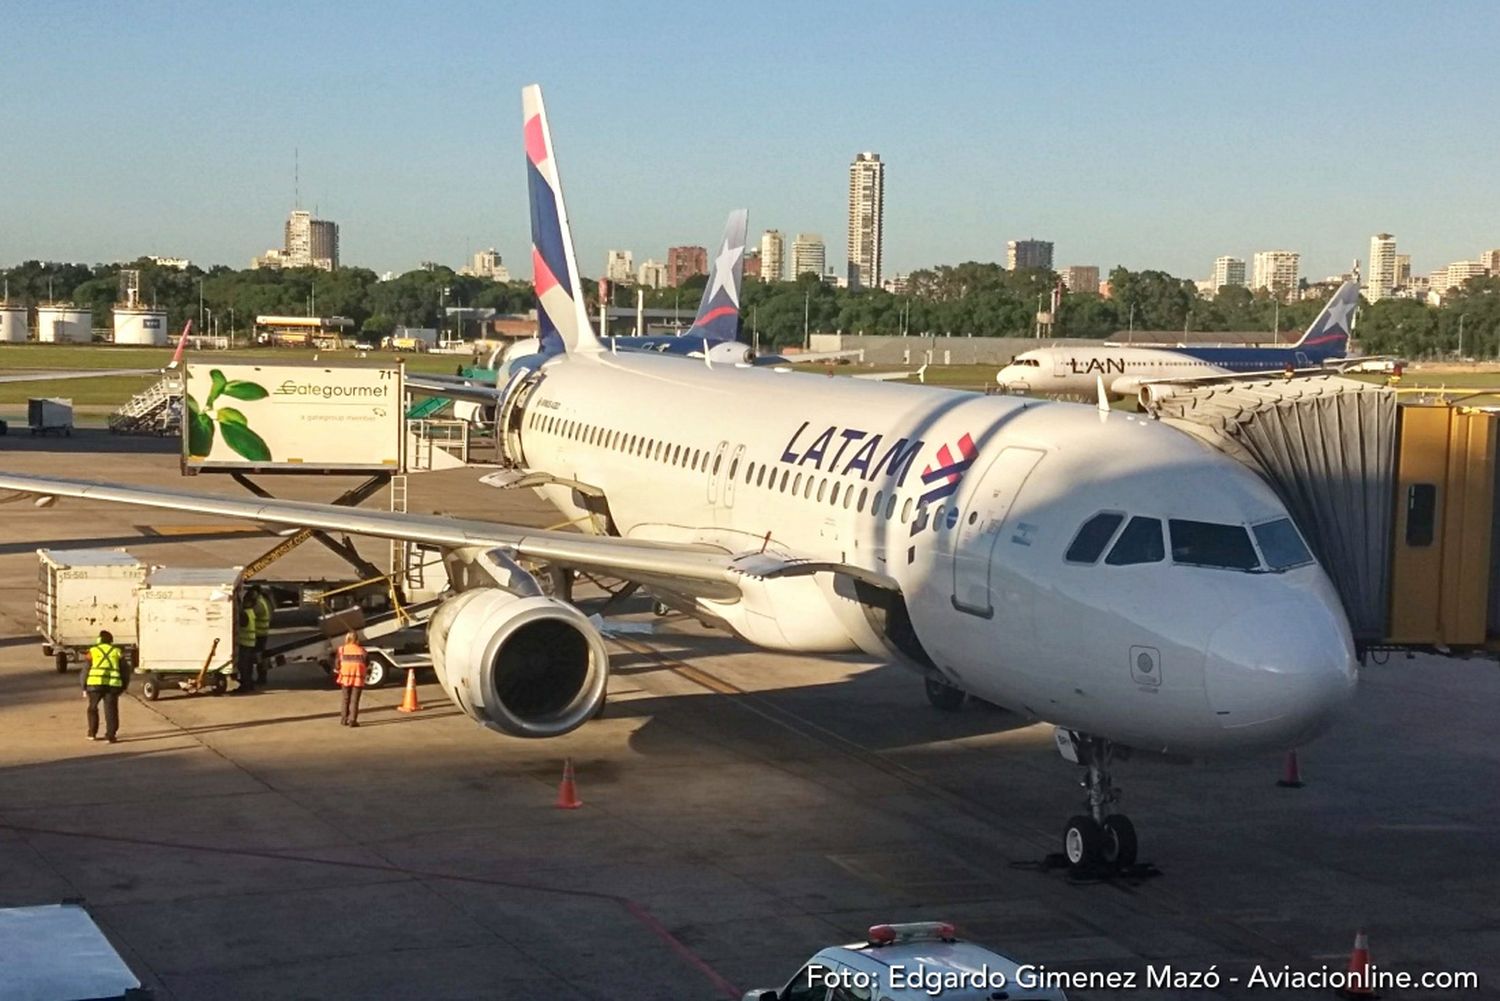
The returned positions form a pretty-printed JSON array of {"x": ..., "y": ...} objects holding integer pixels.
[
  {"x": 75, "y": 374},
  {"x": 439, "y": 386},
  {"x": 1130, "y": 385},
  {"x": 698, "y": 571}
]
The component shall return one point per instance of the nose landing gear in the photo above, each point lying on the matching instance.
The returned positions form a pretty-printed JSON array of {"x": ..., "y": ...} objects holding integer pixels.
[{"x": 1100, "y": 840}]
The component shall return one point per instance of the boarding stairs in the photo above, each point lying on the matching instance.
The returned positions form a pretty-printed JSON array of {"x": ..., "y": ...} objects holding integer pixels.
[{"x": 156, "y": 410}]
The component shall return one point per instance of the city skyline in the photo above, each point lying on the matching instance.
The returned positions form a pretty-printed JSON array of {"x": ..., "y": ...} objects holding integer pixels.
[{"x": 421, "y": 165}]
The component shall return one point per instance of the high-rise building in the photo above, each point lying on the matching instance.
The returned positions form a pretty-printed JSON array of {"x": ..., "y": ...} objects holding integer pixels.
[
  {"x": 653, "y": 274},
  {"x": 685, "y": 262},
  {"x": 1028, "y": 254},
  {"x": 1491, "y": 261},
  {"x": 1278, "y": 271},
  {"x": 1403, "y": 270},
  {"x": 773, "y": 256},
  {"x": 809, "y": 256},
  {"x": 1228, "y": 271},
  {"x": 308, "y": 243},
  {"x": 619, "y": 266},
  {"x": 866, "y": 220},
  {"x": 1445, "y": 280},
  {"x": 751, "y": 265},
  {"x": 486, "y": 264},
  {"x": 1380, "y": 275},
  {"x": 1081, "y": 278}
]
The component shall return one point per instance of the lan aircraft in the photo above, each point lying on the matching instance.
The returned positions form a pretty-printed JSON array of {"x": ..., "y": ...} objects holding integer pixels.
[
  {"x": 1127, "y": 370},
  {"x": 1103, "y": 572}
]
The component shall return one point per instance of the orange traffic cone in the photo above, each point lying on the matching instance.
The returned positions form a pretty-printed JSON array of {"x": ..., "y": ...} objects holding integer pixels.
[
  {"x": 1291, "y": 775},
  {"x": 1359, "y": 969},
  {"x": 567, "y": 793},
  {"x": 409, "y": 703}
]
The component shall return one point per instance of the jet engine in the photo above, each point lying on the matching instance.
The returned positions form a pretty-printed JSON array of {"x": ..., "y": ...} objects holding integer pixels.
[{"x": 527, "y": 666}]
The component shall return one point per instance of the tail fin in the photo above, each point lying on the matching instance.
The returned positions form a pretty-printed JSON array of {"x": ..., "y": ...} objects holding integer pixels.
[
  {"x": 718, "y": 316},
  {"x": 176, "y": 361},
  {"x": 1329, "y": 333},
  {"x": 561, "y": 312}
]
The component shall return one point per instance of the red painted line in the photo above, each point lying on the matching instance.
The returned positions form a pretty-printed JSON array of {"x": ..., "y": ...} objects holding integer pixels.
[{"x": 635, "y": 909}]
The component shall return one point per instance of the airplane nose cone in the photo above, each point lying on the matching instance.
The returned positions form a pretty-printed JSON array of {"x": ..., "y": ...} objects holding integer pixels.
[{"x": 1279, "y": 673}]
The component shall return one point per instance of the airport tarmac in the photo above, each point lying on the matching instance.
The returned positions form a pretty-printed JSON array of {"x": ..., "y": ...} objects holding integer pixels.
[{"x": 742, "y": 810}]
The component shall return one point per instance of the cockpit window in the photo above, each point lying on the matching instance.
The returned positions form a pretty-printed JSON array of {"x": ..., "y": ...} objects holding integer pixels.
[
  {"x": 1208, "y": 544},
  {"x": 1091, "y": 539},
  {"x": 1281, "y": 545},
  {"x": 1140, "y": 542}
]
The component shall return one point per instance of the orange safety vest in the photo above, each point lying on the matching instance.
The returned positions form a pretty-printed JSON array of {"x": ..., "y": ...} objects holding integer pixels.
[{"x": 351, "y": 665}]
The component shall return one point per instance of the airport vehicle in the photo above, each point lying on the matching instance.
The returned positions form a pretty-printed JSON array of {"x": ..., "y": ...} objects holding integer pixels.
[
  {"x": 46, "y": 415},
  {"x": 1104, "y": 572},
  {"x": 1127, "y": 369},
  {"x": 80, "y": 592},
  {"x": 185, "y": 628},
  {"x": 58, "y": 951},
  {"x": 911, "y": 962}
]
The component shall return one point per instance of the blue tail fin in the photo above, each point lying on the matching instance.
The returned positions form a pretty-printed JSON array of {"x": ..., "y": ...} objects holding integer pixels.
[
  {"x": 1328, "y": 336},
  {"x": 718, "y": 316},
  {"x": 561, "y": 314}
]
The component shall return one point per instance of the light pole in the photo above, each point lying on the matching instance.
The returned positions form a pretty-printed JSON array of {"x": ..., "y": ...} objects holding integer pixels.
[
  {"x": 1461, "y": 335},
  {"x": 200, "y": 303},
  {"x": 806, "y": 327}
]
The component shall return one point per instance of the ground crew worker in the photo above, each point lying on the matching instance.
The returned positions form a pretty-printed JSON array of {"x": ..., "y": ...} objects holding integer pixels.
[
  {"x": 351, "y": 663},
  {"x": 260, "y": 607},
  {"x": 103, "y": 682},
  {"x": 244, "y": 650}
]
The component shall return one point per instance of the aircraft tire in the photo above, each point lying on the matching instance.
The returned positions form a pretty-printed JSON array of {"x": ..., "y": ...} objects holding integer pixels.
[
  {"x": 1083, "y": 842},
  {"x": 1119, "y": 842},
  {"x": 944, "y": 696}
]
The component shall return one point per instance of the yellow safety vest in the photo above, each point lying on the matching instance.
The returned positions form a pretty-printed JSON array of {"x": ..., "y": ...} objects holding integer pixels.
[
  {"x": 246, "y": 633},
  {"x": 261, "y": 609},
  {"x": 104, "y": 667}
]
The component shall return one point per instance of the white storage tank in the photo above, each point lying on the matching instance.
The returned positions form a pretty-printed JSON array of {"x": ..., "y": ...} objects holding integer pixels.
[
  {"x": 64, "y": 325},
  {"x": 140, "y": 326},
  {"x": 13, "y": 326}
]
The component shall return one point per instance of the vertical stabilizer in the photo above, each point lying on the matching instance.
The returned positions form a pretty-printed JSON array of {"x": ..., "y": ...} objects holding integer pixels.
[
  {"x": 561, "y": 313},
  {"x": 718, "y": 316},
  {"x": 1328, "y": 336}
]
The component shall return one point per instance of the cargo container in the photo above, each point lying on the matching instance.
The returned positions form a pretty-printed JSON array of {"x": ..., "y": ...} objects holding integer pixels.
[
  {"x": 49, "y": 413},
  {"x": 80, "y": 592},
  {"x": 185, "y": 624}
]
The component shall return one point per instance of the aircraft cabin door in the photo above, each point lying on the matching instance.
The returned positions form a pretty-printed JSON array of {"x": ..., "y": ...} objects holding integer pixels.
[
  {"x": 979, "y": 527},
  {"x": 734, "y": 466},
  {"x": 1059, "y": 366},
  {"x": 715, "y": 468}
]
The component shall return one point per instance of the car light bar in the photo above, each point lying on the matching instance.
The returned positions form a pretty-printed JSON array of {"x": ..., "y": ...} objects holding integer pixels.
[{"x": 912, "y": 931}]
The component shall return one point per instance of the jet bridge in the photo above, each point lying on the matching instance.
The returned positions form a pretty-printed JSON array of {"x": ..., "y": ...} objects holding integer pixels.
[{"x": 1396, "y": 499}]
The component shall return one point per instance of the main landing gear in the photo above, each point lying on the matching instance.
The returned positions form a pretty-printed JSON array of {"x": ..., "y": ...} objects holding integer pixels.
[{"x": 1100, "y": 840}]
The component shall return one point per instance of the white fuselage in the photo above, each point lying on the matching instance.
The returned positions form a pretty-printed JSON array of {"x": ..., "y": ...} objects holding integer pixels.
[
  {"x": 833, "y": 469},
  {"x": 1077, "y": 370}
]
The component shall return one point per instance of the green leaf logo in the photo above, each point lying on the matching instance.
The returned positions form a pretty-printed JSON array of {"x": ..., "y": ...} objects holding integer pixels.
[
  {"x": 240, "y": 390},
  {"x": 230, "y": 422},
  {"x": 244, "y": 441},
  {"x": 200, "y": 430}
]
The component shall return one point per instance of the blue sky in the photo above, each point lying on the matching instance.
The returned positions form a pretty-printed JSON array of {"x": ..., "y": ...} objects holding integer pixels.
[{"x": 1149, "y": 135}]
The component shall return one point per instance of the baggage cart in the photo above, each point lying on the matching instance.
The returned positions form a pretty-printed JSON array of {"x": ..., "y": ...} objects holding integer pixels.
[
  {"x": 80, "y": 592},
  {"x": 185, "y": 625}
]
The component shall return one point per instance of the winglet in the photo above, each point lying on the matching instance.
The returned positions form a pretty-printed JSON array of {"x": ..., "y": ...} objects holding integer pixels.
[
  {"x": 1103, "y": 397},
  {"x": 562, "y": 315},
  {"x": 1330, "y": 331},
  {"x": 176, "y": 361},
  {"x": 718, "y": 316}
]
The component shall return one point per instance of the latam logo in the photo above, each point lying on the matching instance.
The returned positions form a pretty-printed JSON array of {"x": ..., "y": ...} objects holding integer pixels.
[{"x": 867, "y": 459}]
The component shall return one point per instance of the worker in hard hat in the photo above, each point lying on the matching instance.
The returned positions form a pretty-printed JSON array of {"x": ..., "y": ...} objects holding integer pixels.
[
  {"x": 102, "y": 684},
  {"x": 350, "y": 663}
]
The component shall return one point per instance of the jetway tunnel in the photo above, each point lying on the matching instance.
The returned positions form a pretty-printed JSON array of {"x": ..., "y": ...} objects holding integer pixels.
[{"x": 1396, "y": 499}]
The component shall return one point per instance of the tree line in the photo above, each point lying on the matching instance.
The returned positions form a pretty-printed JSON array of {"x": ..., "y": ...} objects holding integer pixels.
[{"x": 971, "y": 299}]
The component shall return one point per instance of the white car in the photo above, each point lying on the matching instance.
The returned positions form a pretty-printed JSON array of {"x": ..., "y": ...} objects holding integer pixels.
[{"x": 912, "y": 962}]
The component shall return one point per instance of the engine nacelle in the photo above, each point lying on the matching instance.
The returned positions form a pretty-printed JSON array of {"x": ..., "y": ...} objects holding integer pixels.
[{"x": 525, "y": 666}]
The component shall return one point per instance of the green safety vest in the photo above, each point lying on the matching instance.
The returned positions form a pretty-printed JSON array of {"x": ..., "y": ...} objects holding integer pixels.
[{"x": 104, "y": 667}]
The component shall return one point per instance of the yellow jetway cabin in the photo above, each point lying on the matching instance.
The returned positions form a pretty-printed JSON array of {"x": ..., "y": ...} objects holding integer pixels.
[{"x": 1398, "y": 500}]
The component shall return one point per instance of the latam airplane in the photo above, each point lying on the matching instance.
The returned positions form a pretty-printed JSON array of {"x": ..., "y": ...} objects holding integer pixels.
[
  {"x": 1127, "y": 370},
  {"x": 1100, "y": 571}
]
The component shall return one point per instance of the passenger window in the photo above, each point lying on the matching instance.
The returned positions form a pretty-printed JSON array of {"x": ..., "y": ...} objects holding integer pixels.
[
  {"x": 906, "y": 511},
  {"x": 1421, "y": 514},
  {"x": 734, "y": 467},
  {"x": 875, "y": 504},
  {"x": 890, "y": 507},
  {"x": 822, "y": 489},
  {"x": 696, "y": 457},
  {"x": 808, "y": 489},
  {"x": 1088, "y": 545},
  {"x": 1140, "y": 542},
  {"x": 796, "y": 484},
  {"x": 1281, "y": 545},
  {"x": 760, "y": 477},
  {"x": 1209, "y": 544},
  {"x": 833, "y": 495},
  {"x": 810, "y": 984},
  {"x": 718, "y": 461},
  {"x": 863, "y": 493}
]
